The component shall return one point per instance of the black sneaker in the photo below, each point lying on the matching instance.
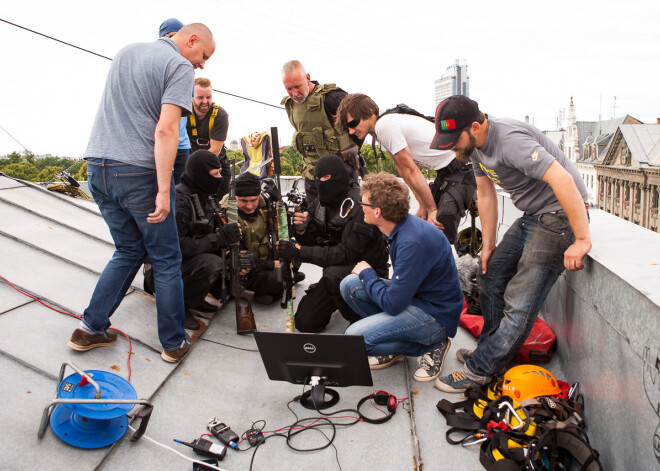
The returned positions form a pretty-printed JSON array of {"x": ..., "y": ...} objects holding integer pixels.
[
  {"x": 205, "y": 307},
  {"x": 298, "y": 277},
  {"x": 430, "y": 364},
  {"x": 378, "y": 363},
  {"x": 463, "y": 354},
  {"x": 149, "y": 284},
  {"x": 190, "y": 323}
]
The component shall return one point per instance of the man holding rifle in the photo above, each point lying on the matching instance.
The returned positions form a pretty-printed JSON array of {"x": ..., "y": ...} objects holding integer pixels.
[
  {"x": 332, "y": 235},
  {"x": 201, "y": 235}
]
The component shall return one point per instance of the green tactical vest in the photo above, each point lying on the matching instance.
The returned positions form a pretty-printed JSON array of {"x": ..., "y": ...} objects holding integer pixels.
[
  {"x": 315, "y": 135},
  {"x": 255, "y": 236}
]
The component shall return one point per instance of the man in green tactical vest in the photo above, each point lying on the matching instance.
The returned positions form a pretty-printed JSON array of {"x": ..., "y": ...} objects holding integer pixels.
[
  {"x": 311, "y": 108},
  {"x": 256, "y": 231}
]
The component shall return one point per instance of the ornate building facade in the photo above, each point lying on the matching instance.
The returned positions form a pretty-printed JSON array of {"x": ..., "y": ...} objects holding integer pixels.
[{"x": 629, "y": 175}]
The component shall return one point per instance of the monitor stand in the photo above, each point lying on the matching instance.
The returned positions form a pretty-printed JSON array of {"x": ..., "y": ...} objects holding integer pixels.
[{"x": 315, "y": 398}]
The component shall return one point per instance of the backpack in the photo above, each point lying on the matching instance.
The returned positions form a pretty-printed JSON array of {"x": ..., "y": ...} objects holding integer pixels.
[
  {"x": 538, "y": 347},
  {"x": 402, "y": 108}
]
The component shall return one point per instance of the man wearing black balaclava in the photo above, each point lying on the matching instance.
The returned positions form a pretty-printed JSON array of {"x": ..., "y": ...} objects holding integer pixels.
[
  {"x": 332, "y": 235},
  {"x": 200, "y": 234}
]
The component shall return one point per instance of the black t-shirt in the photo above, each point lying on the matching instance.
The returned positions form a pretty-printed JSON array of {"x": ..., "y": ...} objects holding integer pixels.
[{"x": 218, "y": 133}]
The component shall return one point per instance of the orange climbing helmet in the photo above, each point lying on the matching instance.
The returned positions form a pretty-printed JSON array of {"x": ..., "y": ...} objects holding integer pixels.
[{"x": 528, "y": 381}]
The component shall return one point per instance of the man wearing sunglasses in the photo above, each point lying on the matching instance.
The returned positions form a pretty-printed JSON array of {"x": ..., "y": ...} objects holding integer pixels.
[
  {"x": 207, "y": 128},
  {"x": 311, "y": 108},
  {"x": 406, "y": 138},
  {"x": 553, "y": 233}
]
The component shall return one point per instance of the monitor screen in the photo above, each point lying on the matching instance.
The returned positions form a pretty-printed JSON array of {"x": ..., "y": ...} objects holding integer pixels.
[{"x": 296, "y": 357}]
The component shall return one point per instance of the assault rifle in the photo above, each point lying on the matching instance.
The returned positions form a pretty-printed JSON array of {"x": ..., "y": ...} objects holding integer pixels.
[
  {"x": 296, "y": 200},
  {"x": 245, "y": 323},
  {"x": 221, "y": 216},
  {"x": 288, "y": 292}
]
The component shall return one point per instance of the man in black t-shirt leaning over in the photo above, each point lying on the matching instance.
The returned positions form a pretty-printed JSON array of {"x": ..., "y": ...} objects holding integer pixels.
[{"x": 207, "y": 128}]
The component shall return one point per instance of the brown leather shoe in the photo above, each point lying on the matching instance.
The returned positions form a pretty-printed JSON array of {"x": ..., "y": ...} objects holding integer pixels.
[
  {"x": 174, "y": 356},
  {"x": 82, "y": 341}
]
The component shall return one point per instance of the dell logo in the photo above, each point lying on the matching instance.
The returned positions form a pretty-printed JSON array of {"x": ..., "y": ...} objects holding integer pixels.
[{"x": 309, "y": 348}]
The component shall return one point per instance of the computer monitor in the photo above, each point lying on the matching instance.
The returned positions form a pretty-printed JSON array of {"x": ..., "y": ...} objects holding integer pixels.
[{"x": 319, "y": 360}]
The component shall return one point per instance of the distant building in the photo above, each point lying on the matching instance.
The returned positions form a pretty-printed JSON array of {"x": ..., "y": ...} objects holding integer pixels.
[
  {"x": 585, "y": 141},
  {"x": 455, "y": 81},
  {"x": 629, "y": 174},
  {"x": 234, "y": 145}
]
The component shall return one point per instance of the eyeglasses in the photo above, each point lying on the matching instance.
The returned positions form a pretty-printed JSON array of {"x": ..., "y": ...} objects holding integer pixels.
[
  {"x": 353, "y": 123},
  {"x": 365, "y": 204}
]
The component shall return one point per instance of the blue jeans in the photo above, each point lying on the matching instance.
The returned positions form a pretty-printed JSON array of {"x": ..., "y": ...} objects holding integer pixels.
[
  {"x": 411, "y": 332},
  {"x": 180, "y": 164},
  {"x": 519, "y": 275},
  {"x": 125, "y": 195}
]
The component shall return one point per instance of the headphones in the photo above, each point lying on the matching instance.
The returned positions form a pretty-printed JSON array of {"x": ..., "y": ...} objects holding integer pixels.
[{"x": 382, "y": 398}]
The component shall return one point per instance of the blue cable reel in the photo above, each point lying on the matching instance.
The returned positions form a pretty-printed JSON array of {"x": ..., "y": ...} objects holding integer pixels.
[{"x": 90, "y": 409}]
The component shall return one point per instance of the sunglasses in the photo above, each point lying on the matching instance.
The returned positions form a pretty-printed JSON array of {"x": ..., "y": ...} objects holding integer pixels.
[{"x": 353, "y": 123}]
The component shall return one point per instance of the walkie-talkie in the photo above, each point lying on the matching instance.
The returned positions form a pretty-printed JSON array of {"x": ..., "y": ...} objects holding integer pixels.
[{"x": 222, "y": 431}]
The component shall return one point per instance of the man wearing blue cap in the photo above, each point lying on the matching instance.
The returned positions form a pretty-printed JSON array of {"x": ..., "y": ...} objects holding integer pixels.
[
  {"x": 130, "y": 156},
  {"x": 167, "y": 29}
]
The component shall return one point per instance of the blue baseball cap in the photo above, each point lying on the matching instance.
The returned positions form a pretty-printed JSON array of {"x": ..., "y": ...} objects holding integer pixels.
[{"x": 168, "y": 26}]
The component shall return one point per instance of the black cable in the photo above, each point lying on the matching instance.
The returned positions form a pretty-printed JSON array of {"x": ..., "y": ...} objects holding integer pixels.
[
  {"x": 230, "y": 346},
  {"x": 55, "y": 39},
  {"x": 109, "y": 58}
]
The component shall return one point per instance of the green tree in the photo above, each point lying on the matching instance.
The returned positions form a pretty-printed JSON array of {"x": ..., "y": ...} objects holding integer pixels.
[
  {"x": 47, "y": 173},
  {"x": 79, "y": 171},
  {"x": 291, "y": 161},
  {"x": 374, "y": 163},
  {"x": 23, "y": 170}
]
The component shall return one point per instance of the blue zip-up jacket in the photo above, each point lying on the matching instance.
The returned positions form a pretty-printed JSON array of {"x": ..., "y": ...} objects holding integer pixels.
[{"x": 424, "y": 274}]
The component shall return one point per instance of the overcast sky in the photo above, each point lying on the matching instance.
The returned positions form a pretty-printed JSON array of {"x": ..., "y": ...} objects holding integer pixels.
[{"x": 524, "y": 57}]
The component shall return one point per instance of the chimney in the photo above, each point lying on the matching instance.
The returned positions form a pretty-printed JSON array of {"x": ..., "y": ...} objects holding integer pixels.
[{"x": 527, "y": 119}]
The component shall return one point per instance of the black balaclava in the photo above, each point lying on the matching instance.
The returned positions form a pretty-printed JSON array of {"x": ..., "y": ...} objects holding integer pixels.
[
  {"x": 333, "y": 191},
  {"x": 197, "y": 176}
]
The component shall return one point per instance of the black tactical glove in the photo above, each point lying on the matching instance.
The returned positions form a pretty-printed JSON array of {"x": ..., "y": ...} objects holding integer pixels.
[
  {"x": 287, "y": 250},
  {"x": 230, "y": 233},
  {"x": 248, "y": 259}
]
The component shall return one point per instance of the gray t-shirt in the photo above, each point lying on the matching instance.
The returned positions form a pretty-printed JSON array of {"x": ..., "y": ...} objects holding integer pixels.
[
  {"x": 515, "y": 156},
  {"x": 142, "y": 77}
]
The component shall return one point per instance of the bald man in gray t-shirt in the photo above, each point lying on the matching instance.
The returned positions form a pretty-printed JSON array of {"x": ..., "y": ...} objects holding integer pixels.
[{"x": 129, "y": 166}]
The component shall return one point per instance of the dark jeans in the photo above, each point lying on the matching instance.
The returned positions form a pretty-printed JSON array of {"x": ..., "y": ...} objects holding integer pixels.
[
  {"x": 125, "y": 195},
  {"x": 519, "y": 275},
  {"x": 322, "y": 299}
]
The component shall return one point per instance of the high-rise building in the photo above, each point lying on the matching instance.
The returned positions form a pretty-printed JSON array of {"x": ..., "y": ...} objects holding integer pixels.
[{"x": 455, "y": 81}]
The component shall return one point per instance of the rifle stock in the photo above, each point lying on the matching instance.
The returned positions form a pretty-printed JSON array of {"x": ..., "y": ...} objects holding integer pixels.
[{"x": 245, "y": 323}]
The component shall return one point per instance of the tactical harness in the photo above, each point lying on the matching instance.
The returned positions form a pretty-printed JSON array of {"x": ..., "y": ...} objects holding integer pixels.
[
  {"x": 193, "y": 127},
  {"x": 545, "y": 433}
]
